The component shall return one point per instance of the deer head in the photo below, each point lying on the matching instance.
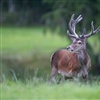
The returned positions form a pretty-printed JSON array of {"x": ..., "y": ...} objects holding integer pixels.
[{"x": 79, "y": 41}]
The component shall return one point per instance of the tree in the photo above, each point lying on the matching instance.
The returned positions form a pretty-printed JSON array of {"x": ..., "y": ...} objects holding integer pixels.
[{"x": 63, "y": 9}]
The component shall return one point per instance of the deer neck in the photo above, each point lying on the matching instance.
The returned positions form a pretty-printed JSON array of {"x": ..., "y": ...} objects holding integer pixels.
[{"x": 82, "y": 56}]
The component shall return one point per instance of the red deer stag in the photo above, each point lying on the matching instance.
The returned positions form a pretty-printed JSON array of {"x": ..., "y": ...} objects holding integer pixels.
[{"x": 74, "y": 60}]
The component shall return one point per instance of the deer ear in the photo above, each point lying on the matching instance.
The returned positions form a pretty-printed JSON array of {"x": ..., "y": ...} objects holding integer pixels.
[{"x": 84, "y": 39}]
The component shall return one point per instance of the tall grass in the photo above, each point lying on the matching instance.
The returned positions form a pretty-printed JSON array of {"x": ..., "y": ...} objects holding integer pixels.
[{"x": 39, "y": 89}]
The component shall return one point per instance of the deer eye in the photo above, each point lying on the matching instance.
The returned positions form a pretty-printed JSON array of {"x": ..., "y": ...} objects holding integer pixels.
[{"x": 79, "y": 42}]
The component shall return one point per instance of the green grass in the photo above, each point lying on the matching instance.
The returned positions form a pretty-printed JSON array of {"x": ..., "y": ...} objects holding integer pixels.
[
  {"x": 29, "y": 39},
  {"x": 23, "y": 40},
  {"x": 26, "y": 50},
  {"x": 42, "y": 90}
]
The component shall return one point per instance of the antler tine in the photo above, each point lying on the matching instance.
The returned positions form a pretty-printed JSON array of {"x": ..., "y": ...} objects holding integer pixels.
[
  {"x": 92, "y": 27},
  {"x": 72, "y": 24},
  {"x": 76, "y": 21},
  {"x": 84, "y": 32},
  {"x": 70, "y": 35},
  {"x": 97, "y": 30},
  {"x": 72, "y": 17},
  {"x": 79, "y": 18},
  {"x": 92, "y": 31}
]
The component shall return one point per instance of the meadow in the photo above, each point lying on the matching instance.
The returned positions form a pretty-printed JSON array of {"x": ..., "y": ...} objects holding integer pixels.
[
  {"x": 25, "y": 50},
  {"x": 23, "y": 40},
  {"x": 25, "y": 66},
  {"x": 39, "y": 89}
]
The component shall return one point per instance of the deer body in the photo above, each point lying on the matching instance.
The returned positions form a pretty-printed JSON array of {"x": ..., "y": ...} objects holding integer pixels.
[
  {"x": 74, "y": 60},
  {"x": 70, "y": 64},
  {"x": 62, "y": 61}
]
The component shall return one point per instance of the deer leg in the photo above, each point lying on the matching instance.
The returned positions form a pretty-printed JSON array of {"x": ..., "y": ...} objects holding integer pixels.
[
  {"x": 53, "y": 74},
  {"x": 64, "y": 78},
  {"x": 85, "y": 75},
  {"x": 68, "y": 78},
  {"x": 59, "y": 81},
  {"x": 85, "y": 78}
]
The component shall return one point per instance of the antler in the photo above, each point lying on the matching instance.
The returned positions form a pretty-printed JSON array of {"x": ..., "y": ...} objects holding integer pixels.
[
  {"x": 83, "y": 32},
  {"x": 92, "y": 31},
  {"x": 72, "y": 24}
]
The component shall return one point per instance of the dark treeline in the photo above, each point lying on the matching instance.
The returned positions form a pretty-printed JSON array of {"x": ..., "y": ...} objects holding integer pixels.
[
  {"x": 50, "y": 12},
  {"x": 22, "y": 12}
]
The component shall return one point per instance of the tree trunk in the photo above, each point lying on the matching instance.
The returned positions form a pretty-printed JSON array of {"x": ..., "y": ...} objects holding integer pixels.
[{"x": 11, "y": 6}]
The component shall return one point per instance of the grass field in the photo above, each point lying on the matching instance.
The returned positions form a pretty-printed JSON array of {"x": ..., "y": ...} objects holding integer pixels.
[
  {"x": 22, "y": 40},
  {"x": 25, "y": 55},
  {"x": 38, "y": 90},
  {"x": 27, "y": 49}
]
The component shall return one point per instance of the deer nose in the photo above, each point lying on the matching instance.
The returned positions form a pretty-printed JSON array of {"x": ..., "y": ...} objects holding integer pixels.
[
  {"x": 68, "y": 48},
  {"x": 71, "y": 49}
]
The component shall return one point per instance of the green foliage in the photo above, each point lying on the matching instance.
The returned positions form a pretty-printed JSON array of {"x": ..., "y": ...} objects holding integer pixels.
[
  {"x": 63, "y": 9},
  {"x": 29, "y": 12},
  {"x": 10, "y": 18}
]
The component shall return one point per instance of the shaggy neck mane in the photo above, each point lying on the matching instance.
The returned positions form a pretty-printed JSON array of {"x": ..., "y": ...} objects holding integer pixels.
[{"x": 82, "y": 56}]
